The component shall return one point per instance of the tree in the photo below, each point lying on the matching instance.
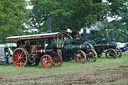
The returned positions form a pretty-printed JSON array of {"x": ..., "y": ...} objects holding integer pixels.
[
  {"x": 13, "y": 14},
  {"x": 72, "y": 14},
  {"x": 118, "y": 8},
  {"x": 75, "y": 14}
]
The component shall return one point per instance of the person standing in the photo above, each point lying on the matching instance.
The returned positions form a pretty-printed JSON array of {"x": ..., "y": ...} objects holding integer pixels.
[{"x": 8, "y": 54}]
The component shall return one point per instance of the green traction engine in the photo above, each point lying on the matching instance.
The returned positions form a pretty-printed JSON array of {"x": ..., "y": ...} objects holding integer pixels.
[
  {"x": 103, "y": 45},
  {"x": 78, "y": 50}
]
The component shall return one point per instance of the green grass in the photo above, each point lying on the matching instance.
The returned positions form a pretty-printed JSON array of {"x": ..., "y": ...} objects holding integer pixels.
[{"x": 101, "y": 62}]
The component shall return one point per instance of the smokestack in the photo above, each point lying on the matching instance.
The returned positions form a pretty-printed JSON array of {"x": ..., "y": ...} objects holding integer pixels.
[
  {"x": 85, "y": 33},
  {"x": 49, "y": 25},
  {"x": 112, "y": 35}
]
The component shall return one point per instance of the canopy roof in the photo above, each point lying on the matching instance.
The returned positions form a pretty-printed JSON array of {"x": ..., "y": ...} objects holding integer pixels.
[{"x": 35, "y": 36}]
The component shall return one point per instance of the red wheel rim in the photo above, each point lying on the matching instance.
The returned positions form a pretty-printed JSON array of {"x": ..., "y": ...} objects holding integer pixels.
[
  {"x": 57, "y": 61},
  {"x": 19, "y": 58},
  {"x": 46, "y": 61},
  {"x": 110, "y": 54},
  {"x": 79, "y": 57},
  {"x": 93, "y": 56}
]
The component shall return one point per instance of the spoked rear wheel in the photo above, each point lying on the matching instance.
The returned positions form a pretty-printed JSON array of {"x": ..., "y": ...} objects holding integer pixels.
[
  {"x": 92, "y": 56},
  {"x": 119, "y": 52},
  {"x": 19, "y": 57},
  {"x": 80, "y": 57},
  {"x": 57, "y": 60},
  {"x": 46, "y": 61},
  {"x": 111, "y": 53}
]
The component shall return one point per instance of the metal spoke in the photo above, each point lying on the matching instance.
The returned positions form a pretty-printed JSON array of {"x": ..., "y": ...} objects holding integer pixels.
[
  {"x": 16, "y": 61},
  {"x": 21, "y": 53},
  {"x": 23, "y": 60},
  {"x": 15, "y": 55},
  {"x": 23, "y": 57}
]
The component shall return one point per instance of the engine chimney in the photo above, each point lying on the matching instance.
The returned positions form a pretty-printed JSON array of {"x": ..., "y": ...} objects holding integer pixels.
[
  {"x": 112, "y": 35},
  {"x": 85, "y": 33},
  {"x": 49, "y": 25}
]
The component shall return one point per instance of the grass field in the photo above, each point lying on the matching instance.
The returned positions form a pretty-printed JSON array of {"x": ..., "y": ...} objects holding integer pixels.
[{"x": 102, "y": 72}]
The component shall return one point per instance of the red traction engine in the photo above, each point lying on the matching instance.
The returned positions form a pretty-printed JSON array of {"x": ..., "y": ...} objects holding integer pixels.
[{"x": 39, "y": 48}]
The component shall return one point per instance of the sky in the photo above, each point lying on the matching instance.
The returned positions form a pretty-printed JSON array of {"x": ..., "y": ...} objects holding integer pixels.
[{"x": 29, "y": 7}]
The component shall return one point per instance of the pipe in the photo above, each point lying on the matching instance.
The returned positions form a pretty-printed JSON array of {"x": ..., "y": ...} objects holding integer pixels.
[
  {"x": 49, "y": 25},
  {"x": 112, "y": 35},
  {"x": 85, "y": 34},
  {"x": 43, "y": 51}
]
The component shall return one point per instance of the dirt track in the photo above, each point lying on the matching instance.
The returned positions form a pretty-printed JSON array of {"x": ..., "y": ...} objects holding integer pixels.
[
  {"x": 85, "y": 76},
  {"x": 95, "y": 77}
]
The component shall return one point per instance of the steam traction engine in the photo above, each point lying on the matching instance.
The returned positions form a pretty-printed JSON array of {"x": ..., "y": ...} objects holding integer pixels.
[
  {"x": 101, "y": 44},
  {"x": 78, "y": 50},
  {"x": 32, "y": 49}
]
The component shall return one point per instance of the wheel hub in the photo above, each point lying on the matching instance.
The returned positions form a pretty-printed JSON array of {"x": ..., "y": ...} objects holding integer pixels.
[
  {"x": 19, "y": 58},
  {"x": 46, "y": 62},
  {"x": 31, "y": 57},
  {"x": 78, "y": 55}
]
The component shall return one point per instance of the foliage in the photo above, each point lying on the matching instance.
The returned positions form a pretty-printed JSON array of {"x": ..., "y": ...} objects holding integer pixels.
[
  {"x": 13, "y": 14},
  {"x": 73, "y": 14},
  {"x": 118, "y": 8},
  {"x": 105, "y": 29}
]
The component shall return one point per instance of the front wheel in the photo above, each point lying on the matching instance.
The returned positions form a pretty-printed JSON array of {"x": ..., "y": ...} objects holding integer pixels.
[
  {"x": 57, "y": 60},
  {"x": 46, "y": 61},
  {"x": 119, "y": 52},
  {"x": 110, "y": 53},
  {"x": 92, "y": 56},
  {"x": 80, "y": 57}
]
